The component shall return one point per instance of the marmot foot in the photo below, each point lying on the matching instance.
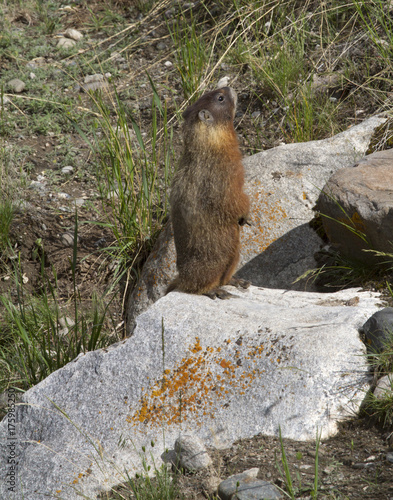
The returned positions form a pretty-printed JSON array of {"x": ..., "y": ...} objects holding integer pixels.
[
  {"x": 239, "y": 282},
  {"x": 220, "y": 293}
]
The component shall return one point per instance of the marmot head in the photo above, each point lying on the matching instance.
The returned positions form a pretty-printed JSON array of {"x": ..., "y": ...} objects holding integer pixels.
[{"x": 213, "y": 108}]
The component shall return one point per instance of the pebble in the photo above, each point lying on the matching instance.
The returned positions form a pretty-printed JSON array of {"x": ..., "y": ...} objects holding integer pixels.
[
  {"x": 170, "y": 12},
  {"x": 67, "y": 170},
  {"x": 384, "y": 388},
  {"x": 100, "y": 243},
  {"x": 74, "y": 34},
  {"x": 37, "y": 186},
  {"x": 97, "y": 77},
  {"x": 79, "y": 202},
  {"x": 66, "y": 43},
  {"x": 245, "y": 486},
  {"x": 32, "y": 75},
  {"x": 256, "y": 114},
  {"x": 191, "y": 453},
  {"x": 16, "y": 85},
  {"x": 63, "y": 196},
  {"x": 66, "y": 321},
  {"x": 223, "y": 82},
  {"x": 67, "y": 239},
  {"x": 95, "y": 82},
  {"x": 389, "y": 457},
  {"x": 94, "y": 86},
  {"x": 362, "y": 465},
  {"x": 168, "y": 64},
  {"x": 161, "y": 46},
  {"x": 211, "y": 484}
]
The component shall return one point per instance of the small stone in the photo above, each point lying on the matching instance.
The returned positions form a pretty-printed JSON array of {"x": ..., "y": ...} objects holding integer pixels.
[
  {"x": 211, "y": 484},
  {"x": 94, "y": 86},
  {"x": 63, "y": 196},
  {"x": 67, "y": 170},
  {"x": 67, "y": 239},
  {"x": 223, "y": 82},
  {"x": 16, "y": 85},
  {"x": 94, "y": 82},
  {"x": 32, "y": 76},
  {"x": 73, "y": 34},
  {"x": 37, "y": 186},
  {"x": 36, "y": 62},
  {"x": 170, "y": 12},
  {"x": 389, "y": 457},
  {"x": 66, "y": 321},
  {"x": 161, "y": 46},
  {"x": 66, "y": 43},
  {"x": 244, "y": 487},
  {"x": 168, "y": 64},
  {"x": 256, "y": 114},
  {"x": 384, "y": 387},
  {"x": 362, "y": 465},
  {"x": 79, "y": 202},
  {"x": 191, "y": 453},
  {"x": 94, "y": 78}
]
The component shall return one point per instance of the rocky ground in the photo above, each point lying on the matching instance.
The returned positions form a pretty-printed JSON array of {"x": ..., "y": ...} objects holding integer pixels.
[{"x": 38, "y": 142}]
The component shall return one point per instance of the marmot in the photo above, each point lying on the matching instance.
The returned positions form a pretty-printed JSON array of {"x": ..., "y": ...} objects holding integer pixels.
[{"x": 208, "y": 203}]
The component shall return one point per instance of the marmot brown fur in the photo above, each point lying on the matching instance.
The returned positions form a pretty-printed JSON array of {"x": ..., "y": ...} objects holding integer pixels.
[{"x": 208, "y": 203}]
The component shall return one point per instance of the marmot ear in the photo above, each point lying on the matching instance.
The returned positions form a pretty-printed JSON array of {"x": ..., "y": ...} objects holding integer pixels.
[{"x": 205, "y": 116}]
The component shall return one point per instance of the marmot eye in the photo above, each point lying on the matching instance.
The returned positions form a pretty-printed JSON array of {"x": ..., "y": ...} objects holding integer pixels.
[{"x": 221, "y": 98}]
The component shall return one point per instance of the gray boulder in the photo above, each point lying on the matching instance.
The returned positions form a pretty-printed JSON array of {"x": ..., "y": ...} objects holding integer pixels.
[
  {"x": 357, "y": 207},
  {"x": 283, "y": 183},
  {"x": 218, "y": 370},
  {"x": 378, "y": 330}
]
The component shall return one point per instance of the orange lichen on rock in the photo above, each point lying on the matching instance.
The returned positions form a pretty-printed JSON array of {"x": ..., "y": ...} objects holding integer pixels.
[
  {"x": 267, "y": 218},
  {"x": 199, "y": 384}
]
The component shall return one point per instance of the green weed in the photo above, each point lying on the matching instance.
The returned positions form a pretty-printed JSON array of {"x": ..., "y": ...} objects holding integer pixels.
[
  {"x": 193, "y": 54},
  {"x": 6, "y": 217},
  {"x": 134, "y": 172},
  {"x": 34, "y": 342},
  {"x": 155, "y": 482},
  {"x": 291, "y": 490}
]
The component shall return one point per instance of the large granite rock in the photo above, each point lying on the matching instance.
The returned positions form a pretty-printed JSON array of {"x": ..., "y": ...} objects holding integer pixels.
[
  {"x": 357, "y": 207},
  {"x": 219, "y": 370},
  {"x": 284, "y": 184}
]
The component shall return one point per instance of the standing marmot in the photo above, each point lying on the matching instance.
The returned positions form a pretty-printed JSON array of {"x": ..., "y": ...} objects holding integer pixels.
[{"x": 207, "y": 200}]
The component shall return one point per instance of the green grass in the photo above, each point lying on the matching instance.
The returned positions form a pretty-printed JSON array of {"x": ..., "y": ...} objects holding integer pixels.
[
  {"x": 12, "y": 182},
  {"x": 154, "y": 482},
  {"x": 193, "y": 55},
  {"x": 294, "y": 489},
  {"x": 33, "y": 340},
  {"x": 133, "y": 172}
]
